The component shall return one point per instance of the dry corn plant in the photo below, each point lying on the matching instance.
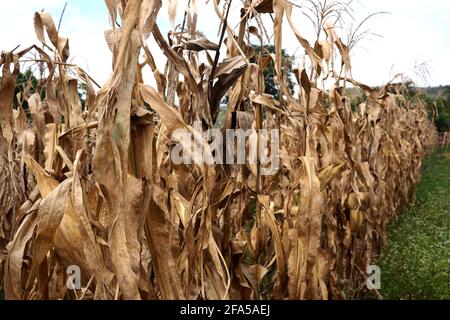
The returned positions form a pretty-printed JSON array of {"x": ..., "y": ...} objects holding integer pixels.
[{"x": 93, "y": 185}]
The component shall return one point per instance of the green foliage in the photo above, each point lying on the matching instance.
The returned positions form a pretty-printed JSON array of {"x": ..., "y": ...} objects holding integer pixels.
[
  {"x": 443, "y": 110},
  {"x": 26, "y": 82},
  {"x": 269, "y": 71},
  {"x": 269, "y": 78},
  {"x": 437, "y": 99},
  {"x": 356, "y": 101},
  {"x": 82, "y": 93},
  {"x": 417, "y": 262}
]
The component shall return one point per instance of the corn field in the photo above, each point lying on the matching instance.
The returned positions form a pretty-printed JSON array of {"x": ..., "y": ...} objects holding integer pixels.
[{"x": 88, "y": 181}]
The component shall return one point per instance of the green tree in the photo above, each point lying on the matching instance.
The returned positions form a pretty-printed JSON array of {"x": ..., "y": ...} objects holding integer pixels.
[
  {"x": 269, "y": 78},
  {"x": 25, "y": 82},
  {"x": 443, "y": 112},
  {"x": 437, "y": 99},
  {"x": 269, "y": 71}
]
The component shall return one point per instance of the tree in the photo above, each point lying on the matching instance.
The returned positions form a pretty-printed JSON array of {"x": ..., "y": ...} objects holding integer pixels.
[
  {"x": 443, "y": 111},
  {"x": 437, "y": 99},
  {"x": 269, "y": 71},
  {"x": 269, "y": 78},
  {"x": 25, "y": 82}
]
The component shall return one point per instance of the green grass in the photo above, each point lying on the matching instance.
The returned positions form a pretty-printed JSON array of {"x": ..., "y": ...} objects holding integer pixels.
[{"x": 417, "y": 262}]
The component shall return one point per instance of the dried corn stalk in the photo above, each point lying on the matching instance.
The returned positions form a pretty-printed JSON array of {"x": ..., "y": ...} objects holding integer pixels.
[{"x": 94, "y": 186}]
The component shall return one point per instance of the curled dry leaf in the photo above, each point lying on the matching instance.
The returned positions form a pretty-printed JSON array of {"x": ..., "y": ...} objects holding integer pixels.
[{"x": 89, "y": 180}]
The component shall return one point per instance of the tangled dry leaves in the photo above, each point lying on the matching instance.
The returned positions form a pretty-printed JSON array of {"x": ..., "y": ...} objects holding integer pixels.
[{"x": 92, "y": 184}]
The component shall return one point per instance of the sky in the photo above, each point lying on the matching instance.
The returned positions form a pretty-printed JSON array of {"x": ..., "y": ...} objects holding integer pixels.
[{"x": 413, "y": 32}]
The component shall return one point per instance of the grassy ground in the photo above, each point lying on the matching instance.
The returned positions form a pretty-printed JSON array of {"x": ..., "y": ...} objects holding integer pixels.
[{"x": 417, "y": 262}]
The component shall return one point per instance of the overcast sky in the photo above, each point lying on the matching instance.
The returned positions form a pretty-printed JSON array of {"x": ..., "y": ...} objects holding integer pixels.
[{"x": 412, "y": 33}]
